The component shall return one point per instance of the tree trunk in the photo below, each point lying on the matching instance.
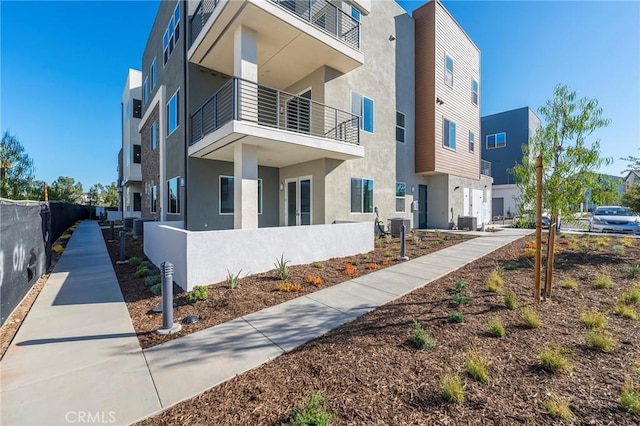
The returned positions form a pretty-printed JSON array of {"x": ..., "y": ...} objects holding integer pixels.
[{"x": 550, "y": 256}]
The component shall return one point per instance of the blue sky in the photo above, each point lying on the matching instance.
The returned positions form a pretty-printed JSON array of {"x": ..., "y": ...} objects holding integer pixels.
[{"x": 64, "y": 64}]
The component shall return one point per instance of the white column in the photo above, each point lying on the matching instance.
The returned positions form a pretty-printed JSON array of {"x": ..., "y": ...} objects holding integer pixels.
[
  {"x": 245, "y": 186},
  {"x": 245, "y": 67}
]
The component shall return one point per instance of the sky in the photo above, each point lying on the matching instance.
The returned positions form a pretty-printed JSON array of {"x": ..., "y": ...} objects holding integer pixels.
[{"x": 63, "y": 67}]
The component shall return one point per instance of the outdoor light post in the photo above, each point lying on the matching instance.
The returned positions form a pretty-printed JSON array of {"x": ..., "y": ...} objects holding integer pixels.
[
  {"x": 122, "y": 255},
  {"x": 168, "y": 326},
  {"x": 112, "y": 232},
  {"x": 403, "y": 243}
]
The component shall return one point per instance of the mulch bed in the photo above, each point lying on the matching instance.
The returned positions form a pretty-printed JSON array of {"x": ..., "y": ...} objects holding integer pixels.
[
  {"x": 254, "y": 292},
  {"x": 369, "y": 372}
]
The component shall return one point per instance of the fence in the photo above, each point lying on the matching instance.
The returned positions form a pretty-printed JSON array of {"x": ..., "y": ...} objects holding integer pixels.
[{"x": 28, "y": 229}]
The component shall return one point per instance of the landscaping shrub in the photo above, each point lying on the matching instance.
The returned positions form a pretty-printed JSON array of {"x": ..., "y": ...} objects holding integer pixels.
[
  {"x": 602, "y": 281},
  {"x": 153, "y": 280},
  {"x": 511, "y": 301},
  {"x": 627, "y": 241},
  {"x": 318, "y": 265},
  {"x": 420, "y": 338},
  {"x": 350, "y": 270},
  {"x": 315, "y": 281},
  {"x": 625, "y": 311},
  {"x": 142, "y": 272},
  {"x": 288, "y": 287},
  {"x": 510, "y": 266},
  {"x": 531, "y": 318},
  {"x": 57, "y": 249},
  {"x": 461, "y": 286},
  {"x": 198, "y": 293},
  {"x": 569, "y": 283},
  {"x": 594, "y": 319},
  {"x": 313, "y": 411},
  {"x": 282, "y": 268},
  {"x": 495, "y": 282},
  {"x": 558, "y": 409},
  {"x": 630, "y": 398},
  {"x": 600, "y": 340},
  {"x": 457, "y": 317},
  {"x": 373, "y": 266},
  {"x": 496, "y": 327},
  {"x": 232, "y": 280},
  {"x": 631, "y": 297},
  {"x": 634, "y": 271},
  {"x": 451, "y": 388},
  {"x": 156, "y": 289},
  {"x": 553, "y": 361},
  {"x": 135, "y": 261},
  {"x": 477, "y": 367},
  {"x": 388, "y": 254}
]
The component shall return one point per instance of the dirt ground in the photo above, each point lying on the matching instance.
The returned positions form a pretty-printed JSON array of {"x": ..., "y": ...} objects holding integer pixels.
[
  {"x": 254, "y": 292},
  {"x": 370, "y": 373}
]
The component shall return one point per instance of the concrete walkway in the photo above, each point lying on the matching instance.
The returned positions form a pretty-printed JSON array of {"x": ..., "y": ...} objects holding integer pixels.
[{"x": 85, "y": 356}]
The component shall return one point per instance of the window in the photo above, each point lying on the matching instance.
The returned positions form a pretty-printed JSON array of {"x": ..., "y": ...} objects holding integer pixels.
[
  {"x": 472, "y": 141},
  {"x": 136, "y": 154},
  {"x": 449, "y": 134},
  {"x": 171, "y": 34},
  {"x": 154, "y": 135},
  {"x": 137, "y": 108},
  {"x": 145, "y": 91},
  {"x": 363, "y": 107},
  {"x": 173, "y": 192},
  {"x": 401, "y": 192},
  {"x": 361, "y": 195},
  {"x": 400, "y": 127},
  {"x": 355, "y": 13},
  {"x": 498, "y": 140},
  {"x": 448, "y": 70},
  {"x": 137, "y": 202},
  {"x": 154, "y": 199},
  {"x": 127, "y": 111},
  {"x": 172, "y": 113},
  {"x": 474, "y": 91},
  {"x": 153, "y": 73},
  {"x": 227, "y": 199}
]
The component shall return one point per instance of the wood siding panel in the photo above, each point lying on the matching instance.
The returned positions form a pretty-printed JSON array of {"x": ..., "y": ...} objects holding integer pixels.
[{"x": 425, "y": 39}]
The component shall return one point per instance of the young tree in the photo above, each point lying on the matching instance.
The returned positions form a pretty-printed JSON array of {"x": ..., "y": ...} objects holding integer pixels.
[
  {"x": 110, "y": 195},
  {"x": 569, "y": 161},
  {"x": 66, "y": 189},
  {"x": 631, "y": 197},
  {"x": 16, "y": 169},
  {"x": 96, "y": 195}
]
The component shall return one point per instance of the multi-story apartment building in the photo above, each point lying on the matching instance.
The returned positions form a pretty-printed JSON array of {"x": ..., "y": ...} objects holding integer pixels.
[
  {"x": 274, "y": 113},
  {"x": 503, "y": 135},
  {"x": 131, "y": 184}
]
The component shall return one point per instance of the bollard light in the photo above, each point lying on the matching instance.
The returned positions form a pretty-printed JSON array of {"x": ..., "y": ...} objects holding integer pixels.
[
  {"x": 121, "y": 254},
  {"x": 403, "y": 243},
  {"x": 112, "y": 232},
  {"x": 168, "y": 326}
]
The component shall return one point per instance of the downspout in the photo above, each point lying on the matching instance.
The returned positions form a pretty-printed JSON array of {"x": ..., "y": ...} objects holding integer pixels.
[{"x": 187, "y": 126}]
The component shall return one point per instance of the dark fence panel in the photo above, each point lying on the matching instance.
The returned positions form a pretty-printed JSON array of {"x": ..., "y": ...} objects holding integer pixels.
[{"x": 27, "y": 230}]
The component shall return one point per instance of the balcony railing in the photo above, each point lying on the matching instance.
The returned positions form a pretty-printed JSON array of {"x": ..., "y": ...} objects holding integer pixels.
[
  {"x": 244, "y": 100},
  {"x": 485, "y": 167},
  {"x": 321, "y": 13}
]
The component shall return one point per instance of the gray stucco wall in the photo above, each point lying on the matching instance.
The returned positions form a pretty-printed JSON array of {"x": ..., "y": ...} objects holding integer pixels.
[
  {"x": 516, "y": 123},
  {"x": 204, "y": 187}
]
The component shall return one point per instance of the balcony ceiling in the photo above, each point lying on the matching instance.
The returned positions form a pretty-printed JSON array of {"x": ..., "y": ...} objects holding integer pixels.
[{"x": 288, "y": 47}]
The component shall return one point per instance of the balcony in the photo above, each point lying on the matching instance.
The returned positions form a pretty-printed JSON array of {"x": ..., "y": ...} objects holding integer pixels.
[
  {"x": 289, "y": 129},
  {"x": 307, "y": 33},
  {"x": 485, "y": 167}
]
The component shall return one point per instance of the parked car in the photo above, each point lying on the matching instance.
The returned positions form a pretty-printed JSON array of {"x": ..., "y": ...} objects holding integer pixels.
[
  {"x": 527, "y": 219},
  {"x": 614, "y": 219}
]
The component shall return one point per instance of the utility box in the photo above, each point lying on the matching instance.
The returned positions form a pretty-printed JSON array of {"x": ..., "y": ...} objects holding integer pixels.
[
  {"x": 128, "y": 223},
  {"x": 468, "y": 222},
  {"x": 395, "y": 226}
]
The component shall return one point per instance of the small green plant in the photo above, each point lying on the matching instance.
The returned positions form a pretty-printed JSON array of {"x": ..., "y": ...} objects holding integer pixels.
[
  {"x": 152, "y": 280},
  {"x": 388, "y": 238},
  {"x": 452, "y": 388},
  {"x": 510, "y": 266},
  {"x": 569, "y": 283},
  {"x": 417, "y": 240},
  {"x": 554, "y": 361},
  {"x": 558, "y": 409},
  {"x": 511, "y": 301},
  {"x": 379, "y": 243},
  {"x": 312, "y": 411},
  {"x": 282, "y": 268},
  {"x": 135, "y": 261},
  {"x": 630, "y": 398},
  {"x": 437, "y": 233},
  {"x": 232, "y": 280},
  {"x": 600, "y": 340},
  {"x": 496, "y": 327},
  {"x": 420, "y": 338},
  {"x": 57, "y": 248},
  {"x": 156, "y": 289},
  {"x": 634, "y": 271},
  {"x": 631, "y": 297},
  {"x": 531, "y": 318},
  {"x": 477, "y": 366},
  {"x": 199, "y": 293},
  {"x": 388, "y": 254},
  {"x": 495, "y": 282},
  {"x": 625, "y": 311},
  {"x": 602, "y": 281},
  {"x": 594, "y": 319},
  {"x": 459, "y": 299},
  {"x": 457, "y": 317},
  {"x": 318, "y": 265},
  {"x": 461, "y": 286},
  {"x": 142, "y": 272}
]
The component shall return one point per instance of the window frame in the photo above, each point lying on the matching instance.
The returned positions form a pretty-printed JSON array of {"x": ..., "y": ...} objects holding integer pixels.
[
  {"x": 133, "y": 201},
  {"x": 171, "y": 35},
  {"x": 447, "y": 131},
  {"x": 401, "y": 197},
  {"x": 472, "y": 141},
  {"x": 177, "y": 180},
  {"x": 495, "y": 140},
  {"x": 152, "y": 73},
  {"x": 475, "y": 92},
  {"x": 362, "y": 197},
  {"x": 260, "y": 196},
  {"x": 154, "y": 135},
  {"x": 154, "y": 198},
  {"x": 361, "y": 113},
  {"x": 176, "y": 95},
  {"x": 139, "y": 154},
  {"x": 145, "y": 91},
  {"x": 402, "y": 128},
  {"x": 446, "y": 69}
]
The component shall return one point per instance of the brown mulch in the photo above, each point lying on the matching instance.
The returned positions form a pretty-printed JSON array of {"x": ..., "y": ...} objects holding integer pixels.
[
  {"x": 254, "y": 292},
  {"x": 369, "y": 372}
]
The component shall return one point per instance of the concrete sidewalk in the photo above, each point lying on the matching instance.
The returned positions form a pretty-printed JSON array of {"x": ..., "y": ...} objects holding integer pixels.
[{"x": 77, "y": 351}]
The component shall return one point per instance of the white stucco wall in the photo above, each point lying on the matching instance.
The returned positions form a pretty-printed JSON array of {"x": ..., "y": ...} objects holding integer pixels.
[
  {"x": 509, "y": 193},
  {"x": 204, "y": 257}
]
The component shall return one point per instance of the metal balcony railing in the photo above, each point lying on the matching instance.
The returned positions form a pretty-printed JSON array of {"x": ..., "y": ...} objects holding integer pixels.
[
  {"x": 244, "y": 100},
  {"x": 485, "y": 167},
  {"x": 320, "y": 13}
]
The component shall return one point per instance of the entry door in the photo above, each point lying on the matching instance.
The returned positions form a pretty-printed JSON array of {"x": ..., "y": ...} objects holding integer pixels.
[
  {"x": 298, "y": 201},
  {"x": 422, "y": 206}
]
